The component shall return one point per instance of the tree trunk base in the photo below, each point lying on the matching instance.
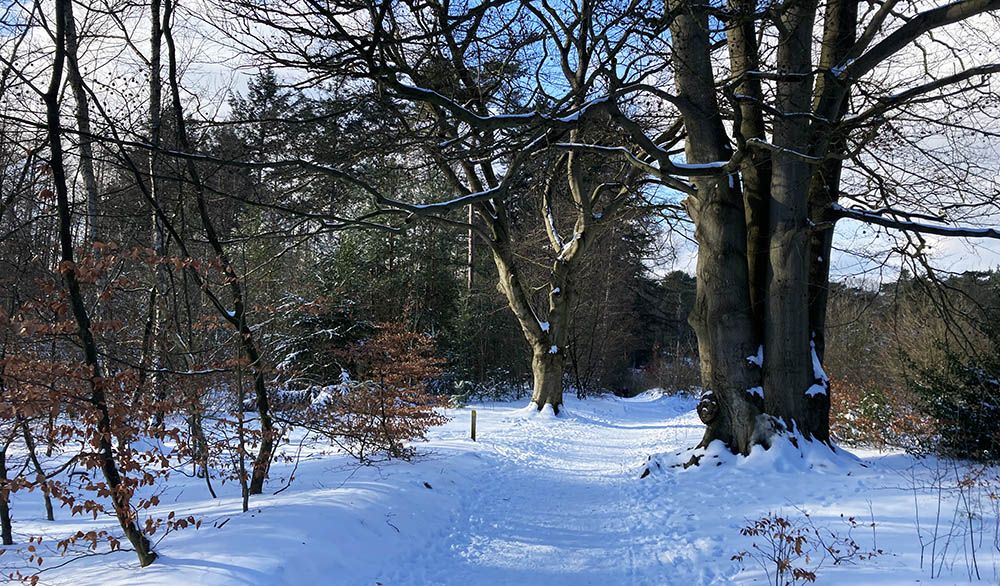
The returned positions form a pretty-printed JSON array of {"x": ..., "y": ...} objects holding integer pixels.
[
  {"x": 547, "y": 372},
  {"x": 769, "y": 432},
  {"x": 539, "y": 406}
]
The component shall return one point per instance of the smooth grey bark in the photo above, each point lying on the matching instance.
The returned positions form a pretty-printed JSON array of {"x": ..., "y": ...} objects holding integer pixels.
[
  {"x": 547, "y": 370},
  {"x": 83, "y": 124},
  {"x": 722, "y": 317},
  {"x": 788, "y": 371},
  {"x": 154, "y": 320},
  {"x": 839, "y": 36},
  {"x": 755, "y": 167}
]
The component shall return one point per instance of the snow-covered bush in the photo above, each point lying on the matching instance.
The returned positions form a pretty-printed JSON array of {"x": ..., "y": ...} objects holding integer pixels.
[{"x": 499, "y": 385}]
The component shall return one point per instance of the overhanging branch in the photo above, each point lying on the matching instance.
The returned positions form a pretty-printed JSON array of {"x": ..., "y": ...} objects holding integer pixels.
[{"x": 876, "y": 217}]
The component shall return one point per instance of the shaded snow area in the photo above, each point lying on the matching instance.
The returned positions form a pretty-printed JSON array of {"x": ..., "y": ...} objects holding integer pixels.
[{"x": 546, "y": 499}]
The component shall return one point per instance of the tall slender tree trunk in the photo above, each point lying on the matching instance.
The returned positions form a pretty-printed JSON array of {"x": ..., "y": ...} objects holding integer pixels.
[
  {"x": 470, "y": 251},
  {"x": 83, "y": 124},
  {"x": 755, "y": 168},
  {"x": 154, "y": 320},
  {"x": 67, "y": 266},
  {"x": 238, "y": 316},
  {"x": 6, "y": 526}
]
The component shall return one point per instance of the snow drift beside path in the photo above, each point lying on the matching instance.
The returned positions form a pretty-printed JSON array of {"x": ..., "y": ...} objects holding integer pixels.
[{"x": 537, "y": 500}]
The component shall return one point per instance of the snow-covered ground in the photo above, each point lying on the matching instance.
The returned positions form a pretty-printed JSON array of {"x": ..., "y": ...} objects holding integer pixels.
[{"x": 544, "y": 500}]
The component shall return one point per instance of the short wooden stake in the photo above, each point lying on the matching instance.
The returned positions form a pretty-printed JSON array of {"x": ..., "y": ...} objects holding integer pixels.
[{"x": 473, "y": 425}]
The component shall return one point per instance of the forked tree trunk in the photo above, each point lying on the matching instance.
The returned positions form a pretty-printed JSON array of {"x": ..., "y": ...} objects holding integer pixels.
[
  {"x": 784, "y": 190},
  {"x": 721, "y": 317},
  {"x": 30, "y": 447},
  {"x": 545, "y": 341},
  {"x": 548, "y": 339},
  {"x": 548, "y": 355}
]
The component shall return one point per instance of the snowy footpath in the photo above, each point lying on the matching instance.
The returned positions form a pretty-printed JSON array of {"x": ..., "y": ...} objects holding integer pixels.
[{"x": 549, "y": 501}]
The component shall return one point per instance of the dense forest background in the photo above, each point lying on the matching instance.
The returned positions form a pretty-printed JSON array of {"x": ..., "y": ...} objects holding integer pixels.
[{"x": 324, "y": 293}]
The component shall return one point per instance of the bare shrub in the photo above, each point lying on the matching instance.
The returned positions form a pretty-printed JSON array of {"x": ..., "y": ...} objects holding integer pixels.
[
  {"x": 962, "y": 524},
  {"x": 791, "y": 550},
  {"x": 386, "y": 404},
  {"x": 881, "y": 417}
]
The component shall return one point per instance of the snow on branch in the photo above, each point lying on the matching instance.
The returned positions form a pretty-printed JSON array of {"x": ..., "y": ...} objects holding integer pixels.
[
  {"x": 496, "y": 121},
  {"x": 877, "y": 217},
  {"x": 666, "y": 169}
]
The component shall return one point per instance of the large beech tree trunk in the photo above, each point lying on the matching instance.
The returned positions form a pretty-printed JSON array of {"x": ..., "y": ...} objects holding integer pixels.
[
  {"x": 547, "y": 377},
  {"x": 788, "y": 368},
  {"x": 722, "y": 316},
  {"x": 790, "y": 185},
  {"x": 547, "y": 339},
  {"x": 762, "y": 268},
  {"x": 547, "y": 347}
]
